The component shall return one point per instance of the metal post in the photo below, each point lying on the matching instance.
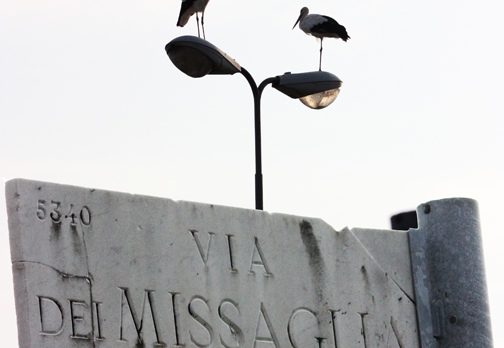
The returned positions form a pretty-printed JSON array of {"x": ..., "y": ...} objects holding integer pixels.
[
  {"x": 449, "y": 275},
  {"x": 256, "y": 92}
]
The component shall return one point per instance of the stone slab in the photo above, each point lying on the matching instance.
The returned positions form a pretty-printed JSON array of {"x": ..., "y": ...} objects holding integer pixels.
[{"x": 94, "y": 268}]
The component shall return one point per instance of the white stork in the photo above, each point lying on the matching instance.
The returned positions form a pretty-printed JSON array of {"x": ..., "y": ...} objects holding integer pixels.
[
  {"x": 190, "y": 7},
  {"x": 320, "y": 26}
]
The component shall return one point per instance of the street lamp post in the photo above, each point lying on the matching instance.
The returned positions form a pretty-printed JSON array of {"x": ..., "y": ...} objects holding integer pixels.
[
  {"x": 196, "y": 58},
  {"x": 257, "y": 92}
]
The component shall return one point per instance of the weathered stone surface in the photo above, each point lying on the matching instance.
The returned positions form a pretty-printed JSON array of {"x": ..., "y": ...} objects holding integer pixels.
[{"x": 95, "y": 268}]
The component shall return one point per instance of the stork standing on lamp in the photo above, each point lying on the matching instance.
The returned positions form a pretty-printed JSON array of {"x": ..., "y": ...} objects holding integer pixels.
[
  {"x": 190, "y": 7},
  {"x": 320, "y": 26}
]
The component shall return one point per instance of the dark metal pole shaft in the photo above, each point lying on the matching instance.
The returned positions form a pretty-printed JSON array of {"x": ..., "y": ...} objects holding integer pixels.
[{"x": 256, "y": 92}]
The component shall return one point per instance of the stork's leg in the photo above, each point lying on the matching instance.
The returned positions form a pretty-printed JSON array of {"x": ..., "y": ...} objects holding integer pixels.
[
  {"x": 197, "y": 23},
  {"x": 202, "y": 23},
  {"x": 320, "y": 60}
]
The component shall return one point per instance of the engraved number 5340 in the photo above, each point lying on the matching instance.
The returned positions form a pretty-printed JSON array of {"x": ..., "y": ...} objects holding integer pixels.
[{"x": 54, "y": 210}]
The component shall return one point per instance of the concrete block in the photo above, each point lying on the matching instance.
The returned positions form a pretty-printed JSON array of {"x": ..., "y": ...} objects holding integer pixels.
[{"x": 94, "y": 268}]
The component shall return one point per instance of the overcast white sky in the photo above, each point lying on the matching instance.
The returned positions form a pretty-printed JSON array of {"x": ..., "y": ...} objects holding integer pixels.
[{"x": 88, "y": 97}]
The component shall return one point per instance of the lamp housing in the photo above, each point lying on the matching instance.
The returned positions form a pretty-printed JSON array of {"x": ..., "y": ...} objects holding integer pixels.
[
  {"x": 197, "y": 57},
  {"x": 317, "y": 89}
]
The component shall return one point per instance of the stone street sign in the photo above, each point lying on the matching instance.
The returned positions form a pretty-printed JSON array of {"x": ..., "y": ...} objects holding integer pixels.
[{"x": 96, "y": 268}]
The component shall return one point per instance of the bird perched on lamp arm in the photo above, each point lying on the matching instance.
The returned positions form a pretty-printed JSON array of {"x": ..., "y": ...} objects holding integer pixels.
[
  {"x": 190, "y": 7},
  {"x": 320, "y": 26}
]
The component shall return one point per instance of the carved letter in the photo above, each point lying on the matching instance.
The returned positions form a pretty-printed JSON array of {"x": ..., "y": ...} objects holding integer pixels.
[
  {"x": 319, "y": 341},
  {"x": 175, "y": 320},
  {"x": 363, "y": 329},
  {"x": 257, "y": 251},
  {"x": 230, "y": 247},
  {"x": 304, "y": 325},
  {"x": 77, "y": 318},
  {"x": 53, "y": 311},
  {"x": 236, "y": 332},
  {"x": 97, "y": 318},
  {"x": 396, "y": 332},
  {"x": 264, "y": 329},
  {"x": 334, "y": 327},
  {"x": 200, "y": 248},
  {"x": 138, "y": 323},
  {"x": 201, "y": 321}
]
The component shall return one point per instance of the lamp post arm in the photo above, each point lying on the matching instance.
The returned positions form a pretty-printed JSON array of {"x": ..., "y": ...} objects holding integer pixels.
[
  {"x": 265, "y": 83},
  {"x": 256, "y": 92}
]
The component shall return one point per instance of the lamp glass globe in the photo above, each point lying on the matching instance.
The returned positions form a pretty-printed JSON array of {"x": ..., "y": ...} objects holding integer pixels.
[{"x": 320, "y": 100}]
